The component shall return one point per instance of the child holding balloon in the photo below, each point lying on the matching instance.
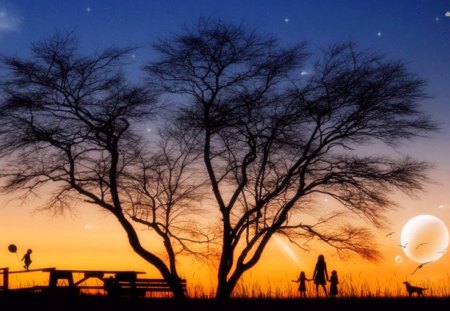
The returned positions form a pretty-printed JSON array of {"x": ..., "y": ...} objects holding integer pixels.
[{"x": 27, "y": 259}]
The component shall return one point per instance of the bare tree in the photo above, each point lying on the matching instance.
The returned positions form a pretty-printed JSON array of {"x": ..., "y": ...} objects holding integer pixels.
[
  {"x": 272, "y": 139},
  {"x": 163, "y": 193},
  {"x": 69, "y": 121}
]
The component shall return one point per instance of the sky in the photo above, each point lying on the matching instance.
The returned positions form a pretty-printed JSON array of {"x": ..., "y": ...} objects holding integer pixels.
[{"x": 416, "y": 32}]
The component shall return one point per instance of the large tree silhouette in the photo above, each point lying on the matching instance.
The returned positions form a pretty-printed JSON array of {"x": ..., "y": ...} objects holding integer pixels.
[
  {"x": 272, "y": 137},
  {"x": 70, "y": 122}
]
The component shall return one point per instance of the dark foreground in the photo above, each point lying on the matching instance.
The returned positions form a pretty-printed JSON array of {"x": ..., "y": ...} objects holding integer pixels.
[{"x": 90, "y": 302}]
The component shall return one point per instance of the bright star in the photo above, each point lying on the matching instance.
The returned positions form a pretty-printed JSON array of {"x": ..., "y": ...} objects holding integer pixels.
[
  {"x": 88, "y": 9},
  {"x": 379, "y": 34},
  {"x": 133, "y": 56},
  {"x": 447, "y": 14},
  {"x": 437, "y": 19},
  {"x": 286, "y": 20}
]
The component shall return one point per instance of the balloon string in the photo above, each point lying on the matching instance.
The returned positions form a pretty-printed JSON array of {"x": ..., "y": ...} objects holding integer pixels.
[{"x": 17, "y": 256}]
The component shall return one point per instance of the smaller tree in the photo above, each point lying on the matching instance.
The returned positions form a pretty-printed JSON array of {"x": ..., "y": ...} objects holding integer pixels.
[
  {"x": 69, "y": 122},
  {"x": 163, "y": 193}
]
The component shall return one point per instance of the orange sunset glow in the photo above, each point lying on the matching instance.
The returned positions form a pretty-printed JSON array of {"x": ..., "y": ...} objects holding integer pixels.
[
  {"x": 227, "y": 145},
  {"x": 93, "y": 240}
]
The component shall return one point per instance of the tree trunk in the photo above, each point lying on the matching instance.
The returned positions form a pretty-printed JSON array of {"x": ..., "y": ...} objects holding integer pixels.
[
  {"x": 175, "y": 284},
  {"x": 224, "y": 290}
]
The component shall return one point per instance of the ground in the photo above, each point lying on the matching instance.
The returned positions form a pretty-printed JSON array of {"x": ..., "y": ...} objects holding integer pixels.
[{"x": 85, "y": 303}]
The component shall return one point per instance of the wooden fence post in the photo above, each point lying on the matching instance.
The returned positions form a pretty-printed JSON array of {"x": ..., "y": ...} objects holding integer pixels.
[{"x": 5, "y": 279}]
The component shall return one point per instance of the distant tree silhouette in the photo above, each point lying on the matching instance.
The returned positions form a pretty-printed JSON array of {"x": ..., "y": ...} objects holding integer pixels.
[
  {"x": 272, "y": 138},
  {"x": 70, "y": 122}
]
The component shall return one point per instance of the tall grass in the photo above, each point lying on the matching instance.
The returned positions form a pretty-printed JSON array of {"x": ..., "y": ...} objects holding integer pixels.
[{"x": 349, "y": 287}]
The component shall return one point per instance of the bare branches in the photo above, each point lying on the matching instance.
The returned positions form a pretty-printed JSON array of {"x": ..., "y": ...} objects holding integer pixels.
[
  {"x": 249, "y": 132},
  {"x": 70, "y": 109},
  {"x": 67, "y": 121},
  {"x": 273, "y": 138},
  {"x": 164, "y": 192}
]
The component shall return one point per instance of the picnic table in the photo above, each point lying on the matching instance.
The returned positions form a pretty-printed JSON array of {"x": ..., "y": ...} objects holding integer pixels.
[{"x": 112, "y": 282}]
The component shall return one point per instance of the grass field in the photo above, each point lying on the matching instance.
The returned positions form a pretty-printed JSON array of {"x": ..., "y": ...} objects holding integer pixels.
[{"x": 352, "y": 296}]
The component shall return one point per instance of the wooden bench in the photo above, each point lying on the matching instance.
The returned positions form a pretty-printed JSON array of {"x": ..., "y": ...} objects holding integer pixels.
[{"x": 138, "y": 287}]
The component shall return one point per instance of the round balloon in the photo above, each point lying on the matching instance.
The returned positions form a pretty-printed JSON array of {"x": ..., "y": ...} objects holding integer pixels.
[{"x": 12, "y": 248}]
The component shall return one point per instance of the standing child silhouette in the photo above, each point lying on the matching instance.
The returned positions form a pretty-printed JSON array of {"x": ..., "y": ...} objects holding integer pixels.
[
  {"x": 27, "y": 259},
  {"x": 334, "y": 283},
  {"x": 302, "y": 284},
  {"x": 320, "y": 275}
]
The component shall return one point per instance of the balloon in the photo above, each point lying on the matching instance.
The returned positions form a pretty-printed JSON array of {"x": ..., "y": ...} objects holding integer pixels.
[{"x": 12, "y": 248}]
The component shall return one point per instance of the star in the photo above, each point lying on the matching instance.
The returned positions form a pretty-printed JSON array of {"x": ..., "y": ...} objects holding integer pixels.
[
  {"x": 447, "y": 14},
  {"x": 88, "y": 9},
  {"x": 437, "y": 19},
  {"x": 133, "y": 56},
  {"x": 88, "y": 227},
  {"x": 286, "y": 20},
  {"x": 379, "y": 34}
]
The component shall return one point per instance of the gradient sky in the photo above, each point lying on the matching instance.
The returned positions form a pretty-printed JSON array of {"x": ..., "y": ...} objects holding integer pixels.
[{"x": 414, "y": 31}]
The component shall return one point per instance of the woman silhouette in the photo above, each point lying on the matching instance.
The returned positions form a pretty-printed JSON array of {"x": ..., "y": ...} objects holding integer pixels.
[{"x": 320, "y": 275}]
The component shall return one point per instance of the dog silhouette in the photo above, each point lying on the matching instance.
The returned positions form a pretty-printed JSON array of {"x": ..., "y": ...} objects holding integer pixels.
[{"x": 414, "y": 289}]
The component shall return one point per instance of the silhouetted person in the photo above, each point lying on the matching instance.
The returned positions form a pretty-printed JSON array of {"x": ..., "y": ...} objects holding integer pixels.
[
  {"x": 27, "y": 259},
  {"x": 334, "y": 281},
  {"x": 302, "y": 284},
  {"x": 320, "y": 275}
]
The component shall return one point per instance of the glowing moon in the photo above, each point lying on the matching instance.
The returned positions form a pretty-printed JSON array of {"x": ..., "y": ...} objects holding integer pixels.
[{"x": 424, "y": 238}]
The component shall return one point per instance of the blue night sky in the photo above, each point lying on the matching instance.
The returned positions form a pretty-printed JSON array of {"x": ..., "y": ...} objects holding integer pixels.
[{"x": 414, "y": 31}]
